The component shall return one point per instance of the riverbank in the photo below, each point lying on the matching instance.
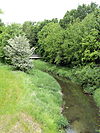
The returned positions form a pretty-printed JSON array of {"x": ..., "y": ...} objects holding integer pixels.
[
  {"x": 29, "y": 102},
  {"x": 86, "y": 76}
]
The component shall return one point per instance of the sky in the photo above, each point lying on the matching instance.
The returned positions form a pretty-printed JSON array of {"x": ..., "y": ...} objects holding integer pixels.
[{"x": 20, "y": 11}]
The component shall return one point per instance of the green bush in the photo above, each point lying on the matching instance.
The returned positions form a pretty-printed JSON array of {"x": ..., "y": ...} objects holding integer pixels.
[
  {"x": 88, "y": 77},
  {"x": 18, "y": 53}
]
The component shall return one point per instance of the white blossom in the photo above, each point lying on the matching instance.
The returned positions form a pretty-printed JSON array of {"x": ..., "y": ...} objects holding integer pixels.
[{"x": 18, "y": 53}]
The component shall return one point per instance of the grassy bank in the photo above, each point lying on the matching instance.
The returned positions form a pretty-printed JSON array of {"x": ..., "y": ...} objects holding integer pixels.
[
  {"x": 29, "y": 103},
  {"x": 88, "y": 77}
]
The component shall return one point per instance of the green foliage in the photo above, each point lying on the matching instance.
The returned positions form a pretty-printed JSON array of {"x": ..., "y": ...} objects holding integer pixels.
[
  {"x": 71, "y": 46},
  {"x": 91, "y": 47},
  {"x": 50, "y": 40},
  {"x": 79, "y": 44},
  {"x": 88, "y": 77},
  {"x": 80, "y": 13},
  {"x": 31, "y": 30},
  {"x": 36, "y": 94},
  {"x": 90, "y": 41},
  {"x": 6, "y": 33},
  {"x": 18, "y": 53}
]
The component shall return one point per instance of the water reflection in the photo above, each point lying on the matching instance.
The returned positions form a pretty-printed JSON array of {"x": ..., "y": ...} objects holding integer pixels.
[{"x": 69, "y": 130}]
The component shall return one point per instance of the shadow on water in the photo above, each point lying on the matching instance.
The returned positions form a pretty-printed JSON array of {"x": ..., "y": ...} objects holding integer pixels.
[{"x": 79, "y": 108}]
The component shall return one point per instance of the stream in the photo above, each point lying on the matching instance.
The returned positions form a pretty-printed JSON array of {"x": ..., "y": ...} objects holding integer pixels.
[{"x": 79, "y": 108}]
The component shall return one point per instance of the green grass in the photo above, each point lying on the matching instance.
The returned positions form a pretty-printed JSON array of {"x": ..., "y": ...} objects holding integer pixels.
[
  {"x": 58, "y": 70},
  {"x": 36, "y": 96},
  {"x": 97, "y": 96}
]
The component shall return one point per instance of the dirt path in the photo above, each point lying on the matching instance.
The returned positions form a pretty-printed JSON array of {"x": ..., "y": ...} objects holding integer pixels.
[{"x": 19, "y": 123}]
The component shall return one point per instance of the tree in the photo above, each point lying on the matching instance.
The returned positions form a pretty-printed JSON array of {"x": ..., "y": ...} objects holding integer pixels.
[
  {"x": 77, "y": 14},
  {"x": 91, "y": 41},
  {"x": 45, "y": 22},
  {"x": 81, "y": 44},
  {"x": 50, "y": 41},
  {"x": 8, "y": 32},
  {"x": 31, "y": 30},
  {"x": 18, "y": 53},
  {"x": 77, "y": 45}
]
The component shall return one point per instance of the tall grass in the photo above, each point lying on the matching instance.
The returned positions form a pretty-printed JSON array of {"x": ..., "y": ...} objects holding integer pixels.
[{"x": 36, "y": 94}]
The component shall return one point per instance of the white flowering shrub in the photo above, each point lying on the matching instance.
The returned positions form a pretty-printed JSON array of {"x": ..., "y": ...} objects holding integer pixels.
[{"x": 18, "y": 53}]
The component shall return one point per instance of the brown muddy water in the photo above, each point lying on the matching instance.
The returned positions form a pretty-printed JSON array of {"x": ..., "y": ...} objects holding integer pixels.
[{"x": 79, "y": 108}]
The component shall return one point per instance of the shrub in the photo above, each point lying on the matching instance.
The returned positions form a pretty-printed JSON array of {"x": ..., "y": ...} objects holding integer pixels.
[
  {"x": 18, "y": 53},
  {"x": 88, "y": 77}
]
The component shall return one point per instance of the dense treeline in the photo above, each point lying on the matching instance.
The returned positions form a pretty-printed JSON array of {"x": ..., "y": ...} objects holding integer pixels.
[
  {"x": 77, "y": 44},
  {"x": 77, "y": 14},
  {"x": 74, "y": 41},
  {"x": 31, "y": 30}
]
